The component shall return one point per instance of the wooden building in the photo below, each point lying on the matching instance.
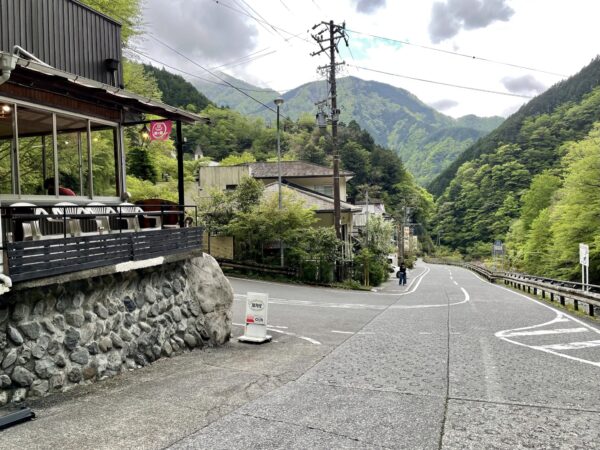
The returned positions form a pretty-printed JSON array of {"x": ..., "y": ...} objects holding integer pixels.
[{"x": 63, "y": 117}]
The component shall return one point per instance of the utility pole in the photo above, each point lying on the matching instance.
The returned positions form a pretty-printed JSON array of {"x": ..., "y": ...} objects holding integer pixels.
[
  {"x": 367, "y": 221},
  {"x": 336, "y": 33}
]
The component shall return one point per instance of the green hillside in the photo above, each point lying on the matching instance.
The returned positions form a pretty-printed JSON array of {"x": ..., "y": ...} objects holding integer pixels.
[
  {"x": 551, "y": 141},
  {"x": 425, "y": 139},
  {"x": 176, "y": 90},
  {"x": 570, "y": 90}
]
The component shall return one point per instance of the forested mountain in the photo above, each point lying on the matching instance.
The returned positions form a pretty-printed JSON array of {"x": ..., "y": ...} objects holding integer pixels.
[
  {"x": 224, "y": 95},
  {"x": 426, "y": 140},
  {"x": 536, "y": 175},
  {"x": 571, "y": 90},
  {"x": 176, "y": 91}
]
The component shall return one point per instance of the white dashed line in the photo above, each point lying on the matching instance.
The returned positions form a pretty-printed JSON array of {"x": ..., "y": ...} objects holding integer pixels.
[
  {"x": 287, "y": 333},
  {"x": 352, "y": 332}
]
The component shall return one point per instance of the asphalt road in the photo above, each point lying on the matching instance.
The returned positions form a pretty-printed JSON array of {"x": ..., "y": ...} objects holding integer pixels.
[{"x": 449, "y": 361}]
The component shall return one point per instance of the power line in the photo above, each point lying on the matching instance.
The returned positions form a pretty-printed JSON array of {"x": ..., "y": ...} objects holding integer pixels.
[
  {"x": 449, "y": 52},
  {"x": 292, "y": 35},
  {"x": 489, "y": 91},
  {"x": 212, "y": 73},
  {"x": 145, "y": 55}
]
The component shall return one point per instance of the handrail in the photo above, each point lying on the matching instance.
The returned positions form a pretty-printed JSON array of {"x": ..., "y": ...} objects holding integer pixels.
[{"x": 562, "y": 289}]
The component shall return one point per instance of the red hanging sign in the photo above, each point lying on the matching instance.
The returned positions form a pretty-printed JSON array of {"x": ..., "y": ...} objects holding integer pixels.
[{"x": 160, "y": 131}]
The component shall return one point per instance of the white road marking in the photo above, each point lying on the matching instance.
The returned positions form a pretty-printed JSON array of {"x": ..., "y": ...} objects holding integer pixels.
[
  {"x": 341, "y": 291},
  {"x": 546, "y": 332},
  {"x": 560, "y": 317},
  {"x": 466, "y": 299},
  {"x": 283, "y": 301},
  {"x": 569, "y": 346},
  {"x": 352, "y": 332},
  {"x": 455, "y": 282},
  {"x": 287, "y": 333}
]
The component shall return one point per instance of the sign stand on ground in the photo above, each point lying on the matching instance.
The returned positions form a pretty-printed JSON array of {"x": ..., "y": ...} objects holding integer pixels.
[{"x": 255, "y": 329}]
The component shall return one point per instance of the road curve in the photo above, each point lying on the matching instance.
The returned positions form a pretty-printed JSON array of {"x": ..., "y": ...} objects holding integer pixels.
[{"x": 450, "y": 361}]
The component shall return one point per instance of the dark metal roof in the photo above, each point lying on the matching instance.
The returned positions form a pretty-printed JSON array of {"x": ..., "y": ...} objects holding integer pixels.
[
  {"x": 82, "y": 88},
  {"x": 65, "y": 34},
  {"x": 293, "y": 169}
]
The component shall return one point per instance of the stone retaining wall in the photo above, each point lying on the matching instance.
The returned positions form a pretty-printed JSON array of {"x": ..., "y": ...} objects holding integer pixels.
[{"x": 58, "y": 336}]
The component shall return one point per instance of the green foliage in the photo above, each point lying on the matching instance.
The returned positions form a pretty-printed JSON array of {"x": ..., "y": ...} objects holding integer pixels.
[
  {"x": 559, "y": 214},
  {"x": 143, "y": 189},
  {"x": 233, "y": 160},
  {"x": 176, "y": 91},
  {"x": 538, "y": 196},
  {"x": 140, "y": 82},
  {"x": 265, "y": 222},
  {"x": 426, "y": 140},
  {"x": 140, "y": 164},
  {"x": 574, "y": 123}
]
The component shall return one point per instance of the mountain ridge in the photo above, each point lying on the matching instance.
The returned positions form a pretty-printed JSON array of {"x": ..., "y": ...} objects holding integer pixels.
[{"x": 395, "y": 117}]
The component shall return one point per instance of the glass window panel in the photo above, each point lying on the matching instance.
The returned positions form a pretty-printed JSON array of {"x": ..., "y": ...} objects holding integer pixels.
[
  {"x": 6, "y": 143},
  {"x": 72, "y": 156},
  {"x": 103, "y": 161},
  {"x": 36, "y": 159}
]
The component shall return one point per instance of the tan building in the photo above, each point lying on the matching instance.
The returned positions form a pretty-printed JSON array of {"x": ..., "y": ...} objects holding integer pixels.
[
  {"x": 310, "y": 182},
  {"x": 308, "y": 175}
]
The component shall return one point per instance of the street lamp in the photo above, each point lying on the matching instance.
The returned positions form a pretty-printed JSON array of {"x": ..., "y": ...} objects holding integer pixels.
[{"x": 279, "y": 102}]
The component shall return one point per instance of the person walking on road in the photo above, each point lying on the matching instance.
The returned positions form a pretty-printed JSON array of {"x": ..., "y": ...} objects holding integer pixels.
[{"x": 402, "y": 274}]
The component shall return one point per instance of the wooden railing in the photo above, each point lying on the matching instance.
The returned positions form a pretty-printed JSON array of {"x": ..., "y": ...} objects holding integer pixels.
[{"x": 28, "y": 260}]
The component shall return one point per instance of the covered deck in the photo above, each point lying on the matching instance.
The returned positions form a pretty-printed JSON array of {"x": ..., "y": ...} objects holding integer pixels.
[{"x": 63, "y": 191}]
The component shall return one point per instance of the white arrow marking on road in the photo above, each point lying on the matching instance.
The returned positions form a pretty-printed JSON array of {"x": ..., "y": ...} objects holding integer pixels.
[
  {"x": 560, "y": 317},
  {"x": 569, "y": 346},
  {"x": 545, "y": 332}
]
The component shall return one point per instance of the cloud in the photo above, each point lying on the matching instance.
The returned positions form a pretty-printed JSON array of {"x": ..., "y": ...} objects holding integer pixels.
[
  {"x": 447, "y": 19},
  {"x": 201, "y": 30},
  {"x": 368, "y": 6},
  {"x": 526, "y": 84},
  {"x": 444, "y": 104}
]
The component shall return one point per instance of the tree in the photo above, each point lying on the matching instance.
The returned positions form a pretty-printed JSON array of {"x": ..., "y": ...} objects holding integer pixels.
[
  {"x": 140, "y": 164},
  {"x": 265, "y": 222}
]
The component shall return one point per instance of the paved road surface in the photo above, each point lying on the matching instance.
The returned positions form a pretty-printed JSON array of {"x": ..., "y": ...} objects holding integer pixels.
[{"x": 450, "y": 361}]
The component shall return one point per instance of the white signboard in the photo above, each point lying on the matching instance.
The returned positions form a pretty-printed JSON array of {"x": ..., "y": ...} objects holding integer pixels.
[
  {"x": 584, "y": 255},
  {"x": 255, "y": 328}
]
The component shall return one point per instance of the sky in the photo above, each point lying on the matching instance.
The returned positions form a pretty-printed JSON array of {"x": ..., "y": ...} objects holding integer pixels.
[{"x": 268, "y": 43}]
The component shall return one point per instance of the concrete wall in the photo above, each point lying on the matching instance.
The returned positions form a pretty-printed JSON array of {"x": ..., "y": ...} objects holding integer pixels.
[
  {"x": 218, "y": 177},
  {"x": 61, "y": 335}
]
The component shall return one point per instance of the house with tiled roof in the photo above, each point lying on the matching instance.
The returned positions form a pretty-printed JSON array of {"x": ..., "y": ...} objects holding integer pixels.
[
  {"x": 312, "y": 183},
  {"x": 308, "y": 175}
]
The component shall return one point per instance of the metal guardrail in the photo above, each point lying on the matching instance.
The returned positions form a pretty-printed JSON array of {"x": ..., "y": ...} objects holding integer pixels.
[{"x": 561, "y": 291}]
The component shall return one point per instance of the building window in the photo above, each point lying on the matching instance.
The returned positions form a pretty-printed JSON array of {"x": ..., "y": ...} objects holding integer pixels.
[
  {"x": 6, "y": 147},
  {"x": 326, "y": 189},
  {"x": 42, "y": 151},
  {"x": 231, "y": 187}
]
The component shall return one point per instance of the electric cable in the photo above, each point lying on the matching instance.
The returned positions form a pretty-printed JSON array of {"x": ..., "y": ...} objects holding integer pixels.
[
  {"x": 449, "y": 52},
  {"x": 470, "y": 88}
]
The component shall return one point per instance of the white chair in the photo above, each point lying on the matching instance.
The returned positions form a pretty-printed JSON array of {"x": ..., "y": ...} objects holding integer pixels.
[
  {"x": 31, "y": 228},
  {"x": 66, "y": 210},
  {"x": 102, "y": 215},
  {"x": 129, "y": 213}
]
